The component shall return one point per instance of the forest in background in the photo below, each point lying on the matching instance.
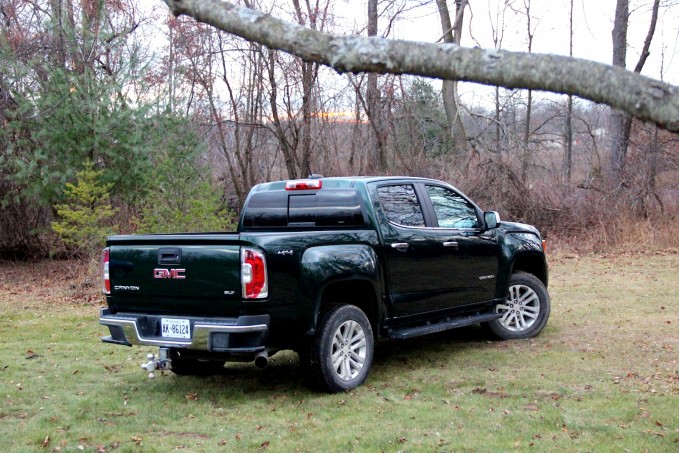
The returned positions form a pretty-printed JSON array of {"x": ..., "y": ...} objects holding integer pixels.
[{"x": 116, "y": 117}]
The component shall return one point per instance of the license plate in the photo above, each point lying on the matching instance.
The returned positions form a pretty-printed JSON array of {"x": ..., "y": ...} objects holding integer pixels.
[{"x": 175, "y": 328}]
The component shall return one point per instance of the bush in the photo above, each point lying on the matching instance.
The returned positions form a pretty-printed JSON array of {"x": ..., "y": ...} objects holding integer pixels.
[{"x": 83, "y": 217}]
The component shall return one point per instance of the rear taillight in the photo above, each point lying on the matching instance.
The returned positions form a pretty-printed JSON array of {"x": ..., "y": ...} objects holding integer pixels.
[
  {"x": 253, "y": 274},
  {"x": 105, "y": 256}
]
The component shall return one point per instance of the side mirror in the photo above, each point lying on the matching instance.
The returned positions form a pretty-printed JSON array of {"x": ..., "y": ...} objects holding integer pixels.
[{"x": 492, "y": 219}]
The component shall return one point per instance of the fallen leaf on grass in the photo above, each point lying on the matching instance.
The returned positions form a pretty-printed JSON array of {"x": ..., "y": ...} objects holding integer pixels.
[
  {"x": 264, "y": 445},
  {"x": 136, "y": 439},
  {"x": 112, "y": 368},
  {"x": 191, "y": 396},
  {"x": 46, "y": 442}
]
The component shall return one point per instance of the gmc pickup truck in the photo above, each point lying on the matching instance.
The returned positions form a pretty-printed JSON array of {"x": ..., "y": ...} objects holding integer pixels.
[{"x": 325, "y": 267}]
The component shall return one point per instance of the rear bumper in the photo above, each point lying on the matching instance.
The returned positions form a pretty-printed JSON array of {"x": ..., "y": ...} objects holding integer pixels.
[{"x": 244, "y": 334}]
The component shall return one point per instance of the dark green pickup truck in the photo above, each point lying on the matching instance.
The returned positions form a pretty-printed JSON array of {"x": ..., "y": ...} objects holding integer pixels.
[{"x": 324, "y": 267}]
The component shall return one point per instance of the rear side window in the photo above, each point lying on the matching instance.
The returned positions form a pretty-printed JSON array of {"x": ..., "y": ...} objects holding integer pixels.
[
  {"x": 400, "y": 204},
  {"x": 324, "y": 208}
]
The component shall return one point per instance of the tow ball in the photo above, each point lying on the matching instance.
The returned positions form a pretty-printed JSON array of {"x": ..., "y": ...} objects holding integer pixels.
[{"x": 153, "y": 364}]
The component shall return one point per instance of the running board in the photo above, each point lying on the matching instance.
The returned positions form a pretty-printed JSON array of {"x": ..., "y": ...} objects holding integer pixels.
[{"x": 446, "y": 324}]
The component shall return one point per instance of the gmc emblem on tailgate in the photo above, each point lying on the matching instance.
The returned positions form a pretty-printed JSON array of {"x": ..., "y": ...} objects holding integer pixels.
[{"x": 177, "y": 274}]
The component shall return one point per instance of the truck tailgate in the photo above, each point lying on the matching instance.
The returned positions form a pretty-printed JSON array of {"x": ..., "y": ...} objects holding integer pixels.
[{"x": 175, "y": 274}]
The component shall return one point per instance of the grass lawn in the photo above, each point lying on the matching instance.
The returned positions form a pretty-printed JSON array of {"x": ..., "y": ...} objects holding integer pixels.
[{"x": 603, "y": 376}]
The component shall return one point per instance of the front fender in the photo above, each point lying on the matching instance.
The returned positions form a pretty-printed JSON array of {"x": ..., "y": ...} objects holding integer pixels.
[{"x": 521, "y": 251}]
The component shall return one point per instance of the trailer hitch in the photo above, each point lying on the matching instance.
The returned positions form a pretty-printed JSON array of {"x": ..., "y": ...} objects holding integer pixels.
[{"x": 163, "y": 362}]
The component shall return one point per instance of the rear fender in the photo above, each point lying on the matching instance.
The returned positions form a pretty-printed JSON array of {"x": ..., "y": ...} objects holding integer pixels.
[{"x": 325, "y": 267}]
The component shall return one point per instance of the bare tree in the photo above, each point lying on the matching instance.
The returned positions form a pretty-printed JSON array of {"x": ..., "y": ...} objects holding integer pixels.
[
  {"x": 373, "y": 98},
  {"x": 525, "y": 158},
  {"x": 497, "y": 25},
  {"x": 568, "y": 126},
  {"x": 621, "y": 122},
  {"x": 452, "y": 33}
]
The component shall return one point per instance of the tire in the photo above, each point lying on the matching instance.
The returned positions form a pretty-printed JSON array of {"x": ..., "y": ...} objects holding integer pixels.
[
  {"x": 195, "y": 367},
  {"x": 526, "y": 310},
  {"x": 341, "y": 354}
]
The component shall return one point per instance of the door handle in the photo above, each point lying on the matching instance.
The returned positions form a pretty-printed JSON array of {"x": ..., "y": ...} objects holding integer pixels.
[
  {"x": 452, "y": 244},
  {"x": 400, "y": 246}
]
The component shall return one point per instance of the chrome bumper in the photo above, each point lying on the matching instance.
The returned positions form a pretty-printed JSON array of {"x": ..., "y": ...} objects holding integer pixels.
[{"x": 242, "y": 334}]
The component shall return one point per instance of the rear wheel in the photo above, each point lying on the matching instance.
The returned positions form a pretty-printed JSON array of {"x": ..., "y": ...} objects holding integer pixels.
[
  {"x": 340, "y": 357},
  {"x": 526, "y": 310}
]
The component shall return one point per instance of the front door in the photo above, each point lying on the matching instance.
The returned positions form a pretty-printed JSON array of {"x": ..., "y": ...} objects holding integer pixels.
[{"x": 435, "y": 261}]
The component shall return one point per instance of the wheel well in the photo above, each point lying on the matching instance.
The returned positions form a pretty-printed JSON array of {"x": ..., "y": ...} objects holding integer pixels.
[
  {"x": 532, "y": 265},
  {"x": 360, "y": 293}
]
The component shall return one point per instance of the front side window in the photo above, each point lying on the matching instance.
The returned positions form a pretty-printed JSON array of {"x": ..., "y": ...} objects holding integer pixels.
[
  {"x": 400, "y": 205},
  {"x": 452, "y": 210}
]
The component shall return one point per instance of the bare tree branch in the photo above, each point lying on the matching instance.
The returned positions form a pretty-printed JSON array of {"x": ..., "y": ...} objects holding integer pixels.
[{"x": 643, "y": 97}]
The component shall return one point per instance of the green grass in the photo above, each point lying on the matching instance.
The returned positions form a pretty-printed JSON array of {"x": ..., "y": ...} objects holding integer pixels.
[{"x": 603, "y": 376}]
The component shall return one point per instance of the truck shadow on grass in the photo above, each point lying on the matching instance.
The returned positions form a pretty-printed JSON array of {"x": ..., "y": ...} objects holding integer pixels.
[{"x": 392, "y": 357}]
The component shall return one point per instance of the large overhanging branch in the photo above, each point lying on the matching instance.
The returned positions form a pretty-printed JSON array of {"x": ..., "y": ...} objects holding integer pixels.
[{"x": 643, "y": 97}]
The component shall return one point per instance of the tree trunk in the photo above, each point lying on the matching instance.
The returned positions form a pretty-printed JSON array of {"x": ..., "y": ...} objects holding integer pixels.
[
  {"x": 498, "y": 143},
  {"x": 379, "y": 152},
  {"x": 525, "y": 161},
  {"x": 619, "y": 120},
  {"x": 568, "y": 126},
  {"x": 452, "y": 33},
  {"x": 309, "y": 73},
  {"x": 568, "y": 143}
]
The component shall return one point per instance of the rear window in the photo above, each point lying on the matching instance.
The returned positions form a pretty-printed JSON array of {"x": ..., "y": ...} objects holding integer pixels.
[{"x": 325, "y": 208}]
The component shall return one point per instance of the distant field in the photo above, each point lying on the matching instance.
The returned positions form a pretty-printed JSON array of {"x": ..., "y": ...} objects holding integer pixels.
[{"x": 603, "y": 376}]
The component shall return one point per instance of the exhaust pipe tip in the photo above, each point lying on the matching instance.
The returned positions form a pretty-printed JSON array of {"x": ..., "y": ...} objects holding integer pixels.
[{"x": 262, "y": 360}]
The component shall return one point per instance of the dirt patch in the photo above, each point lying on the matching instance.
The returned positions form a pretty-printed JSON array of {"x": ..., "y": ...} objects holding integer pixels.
[{"x": 51, "y": 281}]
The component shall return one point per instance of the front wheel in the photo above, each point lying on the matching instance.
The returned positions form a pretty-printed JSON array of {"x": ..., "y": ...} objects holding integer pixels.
[
  {"x": 526, "y": 310},
  {"x": 340, "y": 357}
]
